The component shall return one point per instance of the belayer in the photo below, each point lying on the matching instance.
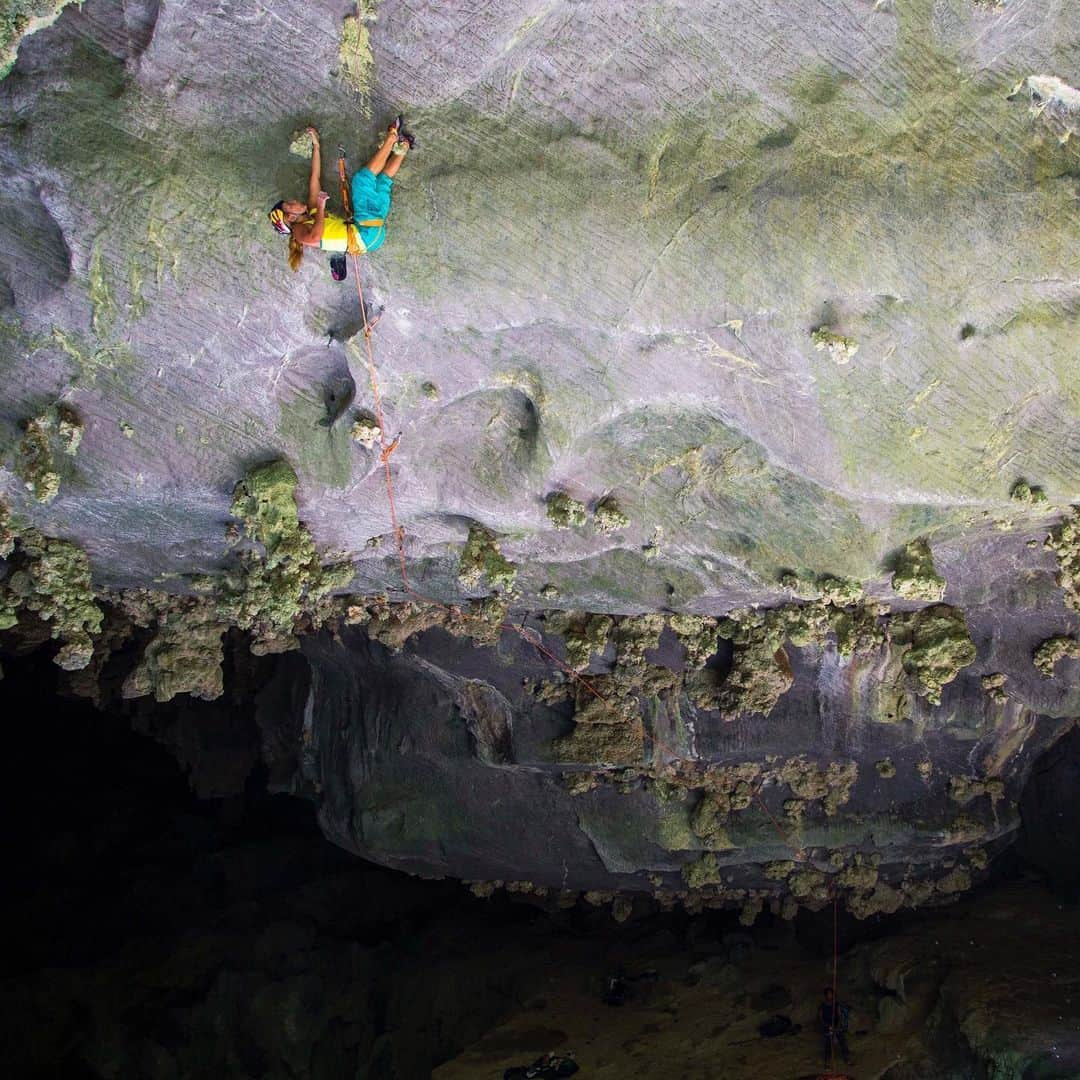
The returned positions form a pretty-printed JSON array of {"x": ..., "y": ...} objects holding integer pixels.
[
  {"x": 365, "y": 230},
  {"x": 834, "y": 1017}
]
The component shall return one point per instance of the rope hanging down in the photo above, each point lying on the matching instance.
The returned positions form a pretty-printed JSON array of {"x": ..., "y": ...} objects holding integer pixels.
[
  {"x": 386, "y": 449},
  {"x": 532, "y": 637}
]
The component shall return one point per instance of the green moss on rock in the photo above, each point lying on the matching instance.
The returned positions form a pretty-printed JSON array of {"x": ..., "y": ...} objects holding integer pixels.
[
  {"x": 830, "y": 784},
  {"x": 705, "y": 871},
  {"x": 1054, "y": 649},
  {"x": 915, "y": 577},
  {"x": 52, "y": 578},
  {"x": 355, "y": 60},
  {"x": 858, "y": 629},
  {"x": 608, "y": 728},
  {"x": 365, "y": 431},
  {"x": 608, "y": 517},
  {"x": 840, "y": 348},
  {"x": 565, "y": 512},
  {"x": 809, "y": 886},
  {"x": 861, "y": 874},
  {"x": 585, "y": 635},
  {"x": 278, "y": 576},
  {"x": 839, "y": 591},
  {"x": 698, "y": 634},
  {"x": 19, "y": 19},
  {"x": 634, "y": 635},
  {"x": 707, "y": 823},
  {"x": 884, "y": 900},
  {"x": 780, "y": 870},
  {"x": 47, "y": 438},
  {"x": 1023, "y": 492},
  {"x": 1064, "y": 542},
  {"x": 8, "y": 531},
  {"x": 994, "y": 686},
  {"x": 939, "y": 646},
  {"x": 602, "y": 744},
  {"x": 963, "y": 789},
  {"x": 185, "y": 654},
  {"x": 301, "y": 144},
  {"x": 483, "y": 562},
  {"x": 760, "y": 675}
]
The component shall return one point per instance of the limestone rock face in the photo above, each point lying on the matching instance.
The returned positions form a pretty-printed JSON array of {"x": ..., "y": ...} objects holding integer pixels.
[{"x": 684, "y": 309}]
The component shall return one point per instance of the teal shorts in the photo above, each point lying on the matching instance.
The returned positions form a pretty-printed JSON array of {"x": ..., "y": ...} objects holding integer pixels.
[{"x": 371, "y": 199}]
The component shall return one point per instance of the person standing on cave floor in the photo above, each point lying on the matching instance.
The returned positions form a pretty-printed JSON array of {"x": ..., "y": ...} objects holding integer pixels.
[
  {"x": 833, "y": 1016},
  {"x": 309, "y": 225}
]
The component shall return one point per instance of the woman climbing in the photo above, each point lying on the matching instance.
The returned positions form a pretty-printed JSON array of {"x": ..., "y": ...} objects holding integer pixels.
[{"x": 311, "y": 226}]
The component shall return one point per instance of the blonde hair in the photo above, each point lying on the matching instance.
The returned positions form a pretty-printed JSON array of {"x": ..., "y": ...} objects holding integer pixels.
[{"x": 296, "y": 254}]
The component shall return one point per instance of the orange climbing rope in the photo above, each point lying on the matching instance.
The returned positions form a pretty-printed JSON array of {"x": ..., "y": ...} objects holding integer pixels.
[
  {"x": 385, "y": 450},
  {"x": 533, "y": 637}
]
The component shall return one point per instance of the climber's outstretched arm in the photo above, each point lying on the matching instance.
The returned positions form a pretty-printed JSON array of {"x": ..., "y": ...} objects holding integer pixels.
[{"x": 315, "y": 179}]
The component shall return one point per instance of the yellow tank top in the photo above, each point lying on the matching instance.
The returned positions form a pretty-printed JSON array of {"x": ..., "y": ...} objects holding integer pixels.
[{"x": 335, "y": 236}]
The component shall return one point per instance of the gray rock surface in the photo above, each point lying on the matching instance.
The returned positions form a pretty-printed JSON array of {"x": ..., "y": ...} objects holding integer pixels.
[{"x": 791, "y": 285}]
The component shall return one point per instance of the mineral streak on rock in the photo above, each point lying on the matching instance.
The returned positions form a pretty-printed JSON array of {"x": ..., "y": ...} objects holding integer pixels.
[
  {"x": 915, "y": 577},
  {"x": 1052, "y": 650}
]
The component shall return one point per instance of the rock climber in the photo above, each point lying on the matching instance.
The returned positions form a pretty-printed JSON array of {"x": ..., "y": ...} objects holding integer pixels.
[
  {"x": 309, "y": 225},
  {"x": 833, "y": 1016}
]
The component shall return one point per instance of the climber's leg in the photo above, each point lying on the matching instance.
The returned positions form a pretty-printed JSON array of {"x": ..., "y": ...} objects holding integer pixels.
[
  {"x": 378, "y": 162},
  {"x": 397, "y": 157}
]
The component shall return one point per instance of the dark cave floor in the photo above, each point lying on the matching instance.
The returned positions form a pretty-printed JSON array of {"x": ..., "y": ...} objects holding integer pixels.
[{"x": 150, "y": 933}]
